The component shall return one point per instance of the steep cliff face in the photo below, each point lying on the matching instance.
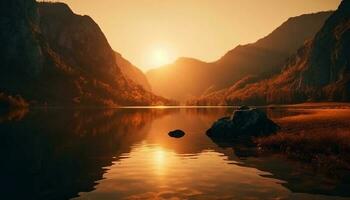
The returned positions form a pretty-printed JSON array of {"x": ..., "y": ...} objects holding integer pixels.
[
  {"x": 53, "y": 56},
  {"x": 319, "y": 71},
  {"x": 266, "y": 56},
  {"x": 263, "y": 59},
  {"x": 21, "y": 45},
  {"x": 78, "y": 40},
  {"x": 328, "y": 60},
  {"x": 132, "y": 72},
  {"x": 19, "y": 35},
  {"x": 27, "y": 61}
]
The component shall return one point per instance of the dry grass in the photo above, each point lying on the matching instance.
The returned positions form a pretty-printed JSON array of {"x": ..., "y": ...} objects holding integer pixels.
[{"x": 322, "y": 136}]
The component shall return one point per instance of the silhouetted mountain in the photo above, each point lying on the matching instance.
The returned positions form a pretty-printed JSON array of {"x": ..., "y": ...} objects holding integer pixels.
[
  {"x": 56, "y": 57},
  {"x": 132, "y": 72},
  {"x": 262, "y": 59},
  {"x": 319, "y": 71},
  {"x": 183, "y": 79}
]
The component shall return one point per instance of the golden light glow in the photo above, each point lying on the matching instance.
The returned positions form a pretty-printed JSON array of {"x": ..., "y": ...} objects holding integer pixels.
[
  {"x": 159, "y": 156},
  {"x": 160, "y": 161},
  {"x": 160, "y": 57},
  {"x": 202, "y": 29}
]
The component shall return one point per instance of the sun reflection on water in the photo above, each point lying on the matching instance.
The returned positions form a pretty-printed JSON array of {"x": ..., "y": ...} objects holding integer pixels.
[
  {"x": 160, "y": 160},
  {"x": 193, "y": 167},
  {"x": 151, "y": 171}
]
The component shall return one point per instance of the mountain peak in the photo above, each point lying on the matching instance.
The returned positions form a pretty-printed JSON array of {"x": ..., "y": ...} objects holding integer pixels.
[
  {"x": 185, "y": 60},
  {"x": 56, "y": 8},
  {"x": 318, "y": 71},
  {"x": 344, "y": 6},
  {"x": 263, "y": 58}
]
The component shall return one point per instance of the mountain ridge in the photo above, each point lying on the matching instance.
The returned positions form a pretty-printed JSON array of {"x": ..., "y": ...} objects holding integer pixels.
[
  {"x": 132, "y": 72},
  {"x": 263, "y": 58},
  {"x": 65, "y": 59},
  {"x": 318, "y": 71}
]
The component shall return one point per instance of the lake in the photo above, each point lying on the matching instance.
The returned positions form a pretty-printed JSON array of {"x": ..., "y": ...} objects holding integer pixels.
[{"x": 126, "y": 153}]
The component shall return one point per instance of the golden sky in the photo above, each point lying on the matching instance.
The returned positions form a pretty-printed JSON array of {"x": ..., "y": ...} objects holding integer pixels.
[{"x": 155, "y": 32}]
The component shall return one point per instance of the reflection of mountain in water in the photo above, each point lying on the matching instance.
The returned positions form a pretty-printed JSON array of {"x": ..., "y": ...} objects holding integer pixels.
[
  {"x": 299, "y": 177},
  {"x": 56, "y": 154}
]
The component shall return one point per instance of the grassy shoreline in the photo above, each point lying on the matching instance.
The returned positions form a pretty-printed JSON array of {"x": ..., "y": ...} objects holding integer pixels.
[{"x": 321, "y": 136}]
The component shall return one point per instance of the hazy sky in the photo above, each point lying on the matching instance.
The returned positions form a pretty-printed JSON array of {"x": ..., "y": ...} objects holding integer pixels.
[{"x": 154, "y": 32}]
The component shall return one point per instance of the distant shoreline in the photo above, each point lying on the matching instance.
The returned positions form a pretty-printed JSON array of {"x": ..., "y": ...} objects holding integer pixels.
[
  {"x": 299, "y": 105},
  {"x": 306, "y": 104}
]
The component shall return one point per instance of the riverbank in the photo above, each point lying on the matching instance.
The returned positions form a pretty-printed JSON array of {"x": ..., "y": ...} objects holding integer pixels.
[{"x": 320, "y": 136}]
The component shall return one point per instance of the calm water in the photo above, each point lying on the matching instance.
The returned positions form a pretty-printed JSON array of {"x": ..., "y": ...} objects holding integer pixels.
[{"x": 127, "y": 154}]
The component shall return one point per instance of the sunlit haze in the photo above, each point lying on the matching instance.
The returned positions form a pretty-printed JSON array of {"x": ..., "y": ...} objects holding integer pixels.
[
  {"x": 150, "y": 33},
  {"x": 160, "y": 56}
]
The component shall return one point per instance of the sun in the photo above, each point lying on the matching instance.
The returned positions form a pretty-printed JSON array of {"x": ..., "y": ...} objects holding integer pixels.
[{"x": 160, "y": 57}]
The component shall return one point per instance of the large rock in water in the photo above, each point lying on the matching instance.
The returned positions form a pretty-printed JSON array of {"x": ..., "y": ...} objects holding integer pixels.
[{"x": 244, "y": 122}]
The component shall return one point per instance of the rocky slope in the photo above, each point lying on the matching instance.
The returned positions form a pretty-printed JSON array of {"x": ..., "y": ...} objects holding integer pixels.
[
  {"x": 23, "y": 51},
  {"x": 261, "y": 59},
  {"x": 319, "y": 71},
  {"x": 55, "y": 57},
  {"x": 132, "y": 72}
]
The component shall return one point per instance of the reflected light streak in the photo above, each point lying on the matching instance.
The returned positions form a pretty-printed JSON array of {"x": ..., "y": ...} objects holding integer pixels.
[{"x": 160, "y": 161}]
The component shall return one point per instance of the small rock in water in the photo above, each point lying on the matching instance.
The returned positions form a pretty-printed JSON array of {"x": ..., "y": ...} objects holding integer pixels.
[{"x": 176, "y": 133}]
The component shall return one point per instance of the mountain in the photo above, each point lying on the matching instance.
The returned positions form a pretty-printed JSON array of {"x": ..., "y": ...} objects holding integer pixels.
[
  {"x": 262, "y": 59},
  {"x": 318, "y": 71},
  {"x": 132, "y": 72},
  {"x": 51, "y": 56},
  {"x": 183, "y": 79}
]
